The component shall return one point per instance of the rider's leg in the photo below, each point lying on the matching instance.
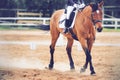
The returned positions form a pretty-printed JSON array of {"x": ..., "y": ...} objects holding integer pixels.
[{"x": 68, "y": 22}]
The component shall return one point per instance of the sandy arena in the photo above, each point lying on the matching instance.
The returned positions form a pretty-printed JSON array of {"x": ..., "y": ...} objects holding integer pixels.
[{"x": 23, "y": 59}]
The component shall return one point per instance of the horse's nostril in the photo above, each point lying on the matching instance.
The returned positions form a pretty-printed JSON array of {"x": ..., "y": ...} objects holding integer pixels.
[{"x": 99, "y": 29}]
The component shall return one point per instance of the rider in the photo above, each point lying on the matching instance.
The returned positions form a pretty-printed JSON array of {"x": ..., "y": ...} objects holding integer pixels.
[{"x": 71, "y": 6}]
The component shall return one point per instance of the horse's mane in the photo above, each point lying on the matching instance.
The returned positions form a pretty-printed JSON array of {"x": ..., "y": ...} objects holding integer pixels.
[{"x": 87, "y": 10}]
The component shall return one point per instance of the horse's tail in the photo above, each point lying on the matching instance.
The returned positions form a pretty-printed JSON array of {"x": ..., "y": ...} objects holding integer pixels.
[{"x": 44, "y": 27}]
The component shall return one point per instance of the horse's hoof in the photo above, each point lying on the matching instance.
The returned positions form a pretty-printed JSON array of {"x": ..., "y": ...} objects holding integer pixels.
[
  {"x": 73, "y": 69},
  {"x": 48, "y": 68},
  {"x": 82, "y": 70},
  {"x": 93, "y": 73}
]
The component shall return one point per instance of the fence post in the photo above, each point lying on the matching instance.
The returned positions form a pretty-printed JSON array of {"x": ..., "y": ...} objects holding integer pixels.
[
  {"x": 44, "y": 20},
  {"x": 33, "y": 46},
  {"x": 115, "y": 24}
]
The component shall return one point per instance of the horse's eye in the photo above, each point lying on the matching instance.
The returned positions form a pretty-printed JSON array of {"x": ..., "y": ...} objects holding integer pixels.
[{"x": 98, "y": 11}]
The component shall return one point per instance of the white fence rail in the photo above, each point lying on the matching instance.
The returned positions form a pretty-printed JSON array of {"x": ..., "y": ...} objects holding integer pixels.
[
  {"x": 5, "y": 20},
  {"x": 107, "y": 22}
]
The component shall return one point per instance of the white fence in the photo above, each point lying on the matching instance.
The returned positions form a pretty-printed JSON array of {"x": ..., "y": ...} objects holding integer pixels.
[{"x": 107, "y": 22}]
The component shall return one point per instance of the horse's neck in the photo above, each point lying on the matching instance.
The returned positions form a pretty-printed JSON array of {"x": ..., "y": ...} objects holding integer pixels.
[
  {"x": 87, "y": 11},
  {"x": 86, "y": 18}
]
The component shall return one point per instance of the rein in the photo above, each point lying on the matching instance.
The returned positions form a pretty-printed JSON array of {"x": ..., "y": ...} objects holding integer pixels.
[{"x": 94, "y": 21}]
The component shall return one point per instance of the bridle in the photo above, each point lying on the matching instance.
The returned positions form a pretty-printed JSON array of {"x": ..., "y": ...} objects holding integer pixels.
[{"x": 95, "y": 20}]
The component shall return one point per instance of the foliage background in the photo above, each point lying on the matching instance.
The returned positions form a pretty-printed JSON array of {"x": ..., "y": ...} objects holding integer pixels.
[{"x": 8, "y": 8}]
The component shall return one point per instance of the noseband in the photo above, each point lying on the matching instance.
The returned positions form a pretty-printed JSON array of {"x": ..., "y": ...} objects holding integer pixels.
[{"x": 96, "y": 21}]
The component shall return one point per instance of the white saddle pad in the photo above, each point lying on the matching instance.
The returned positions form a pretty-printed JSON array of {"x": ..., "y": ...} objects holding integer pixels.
[{"x": 63, "y": 19}]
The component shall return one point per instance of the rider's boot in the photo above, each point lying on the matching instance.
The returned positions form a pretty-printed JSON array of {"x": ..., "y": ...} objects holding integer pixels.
[{"x": 66, "y": 29}]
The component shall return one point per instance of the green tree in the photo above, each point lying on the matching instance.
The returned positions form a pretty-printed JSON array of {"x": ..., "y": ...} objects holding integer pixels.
[
  {"x": 6, "y": 6},
  {"x": 44, "y": 6},
  {"x": 33, "y": 5}
]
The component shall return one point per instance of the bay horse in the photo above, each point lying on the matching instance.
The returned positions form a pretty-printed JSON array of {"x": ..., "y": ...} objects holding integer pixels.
[{"x": 86, "y": 23}]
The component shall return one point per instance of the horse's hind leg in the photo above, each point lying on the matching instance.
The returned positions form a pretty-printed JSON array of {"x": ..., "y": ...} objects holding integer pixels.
[
  {"x": 68, "y": 49},
  {"x": 54, "y": 36}
]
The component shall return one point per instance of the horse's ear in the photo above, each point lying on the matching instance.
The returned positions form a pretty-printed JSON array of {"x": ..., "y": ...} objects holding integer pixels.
[
  {"x": 94, "y": 6},
  {"x": 101, "y": 3}
]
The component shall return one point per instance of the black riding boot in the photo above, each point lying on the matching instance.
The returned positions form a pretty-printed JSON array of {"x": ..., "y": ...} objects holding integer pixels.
[
  {"x": 66, "y": 26},
  {"x": 65, "y": 30}
]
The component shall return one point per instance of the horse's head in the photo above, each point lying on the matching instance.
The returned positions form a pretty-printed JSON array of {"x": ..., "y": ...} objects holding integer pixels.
[{"x": 97, "y": 15}]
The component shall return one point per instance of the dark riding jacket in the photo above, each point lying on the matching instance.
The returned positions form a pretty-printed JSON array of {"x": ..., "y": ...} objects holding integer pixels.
[{"x": 72, "y": 2}]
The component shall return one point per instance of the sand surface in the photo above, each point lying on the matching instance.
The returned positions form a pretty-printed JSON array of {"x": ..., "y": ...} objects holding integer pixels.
[{"x": 20, "y": 62}]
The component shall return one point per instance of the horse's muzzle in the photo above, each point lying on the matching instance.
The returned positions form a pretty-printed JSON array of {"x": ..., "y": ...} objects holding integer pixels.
[{"x": 99, "y": 29}]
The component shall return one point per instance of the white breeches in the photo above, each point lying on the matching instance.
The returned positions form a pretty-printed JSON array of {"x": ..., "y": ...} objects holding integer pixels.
[{"x": 69, "y": 10}]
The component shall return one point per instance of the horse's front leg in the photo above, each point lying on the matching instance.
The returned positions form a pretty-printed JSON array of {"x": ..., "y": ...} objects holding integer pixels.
[
  {"x": 83, "y": 69},
  {"x": 69, "y": 49},
  {"x": 87, "y": 45},
  {"x": 88, "y": 60},
  {"x": 90, "y": 44}
]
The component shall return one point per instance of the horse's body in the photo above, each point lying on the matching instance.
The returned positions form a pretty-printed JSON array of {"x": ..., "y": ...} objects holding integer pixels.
[{"x": 83, "y": 29}]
